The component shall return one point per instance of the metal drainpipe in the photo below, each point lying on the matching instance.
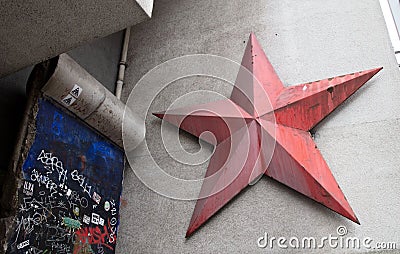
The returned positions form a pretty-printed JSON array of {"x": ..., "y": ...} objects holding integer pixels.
[
  {"x": 73, "y": 87},
  {"x": 122, "y": 63}
]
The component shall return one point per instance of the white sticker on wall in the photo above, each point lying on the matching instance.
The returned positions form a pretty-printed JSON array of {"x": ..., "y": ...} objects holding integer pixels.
[
  {"x": 68, "y": 100},
  {"x": 95, "y": 218},
  {"x": 96, "y": 197},
  {"x": 86, "y": 219},
  {"x": 101, "y": 221},
  {"x": 76, "y": 91}
]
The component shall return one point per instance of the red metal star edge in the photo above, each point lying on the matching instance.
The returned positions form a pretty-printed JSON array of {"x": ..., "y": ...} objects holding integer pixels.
[{"x": 295, "y": 160}]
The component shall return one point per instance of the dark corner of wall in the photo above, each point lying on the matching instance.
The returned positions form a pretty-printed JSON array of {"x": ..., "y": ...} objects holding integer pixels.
[{"x": 22, "y": 138}]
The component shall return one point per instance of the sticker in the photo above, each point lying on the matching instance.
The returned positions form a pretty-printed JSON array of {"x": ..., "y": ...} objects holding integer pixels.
[
  {"x": 86, "y": 219},
  {"x": 95, "y": 218},
  {"x": 71, "y": 223},
  {"x": 23, "y": 244},
  {"x": 28, "y": 188},
  {"x": 107, "y": 206},
  {"x": 76, "y": 91},
  {"x": 68, "y": 100},
  {"x": 101, "y": 221},
  {"x": 96, "y": 197},
  {"x": 76, "y": 211}
]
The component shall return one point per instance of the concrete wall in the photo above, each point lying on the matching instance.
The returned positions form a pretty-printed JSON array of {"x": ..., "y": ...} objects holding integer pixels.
[
  {"x": 33, "y": 31},
  {"x": 305, "y": 41},
  {"x": 100, "y": 58}
]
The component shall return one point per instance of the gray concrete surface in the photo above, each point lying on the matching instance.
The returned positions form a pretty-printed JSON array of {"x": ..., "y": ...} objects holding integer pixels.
[
  {"x": 305, "y": 41},
  {"x": 33, "y": 31},
  {"x": 101, "y": 58}
]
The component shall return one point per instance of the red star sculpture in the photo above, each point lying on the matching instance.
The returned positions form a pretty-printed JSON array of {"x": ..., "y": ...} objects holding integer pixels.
[{"x": 267, "y": 138}]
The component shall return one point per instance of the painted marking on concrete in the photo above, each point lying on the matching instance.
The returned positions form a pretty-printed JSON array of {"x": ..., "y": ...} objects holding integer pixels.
[
  {"x": 28, "y": 188},
  {"x": 107, "y": 206}
]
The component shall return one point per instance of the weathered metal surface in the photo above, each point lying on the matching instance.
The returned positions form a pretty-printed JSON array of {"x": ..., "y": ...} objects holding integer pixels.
[
  {"x": 70, "y": 189},
  {"x": 74, "y": 88},
  {"x": 305, "y": 105},
  {"x": 248, "y": 127}
]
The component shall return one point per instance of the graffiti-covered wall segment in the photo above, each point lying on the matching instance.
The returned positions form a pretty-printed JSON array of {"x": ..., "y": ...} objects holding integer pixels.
[{"x": 70, "y": 194}]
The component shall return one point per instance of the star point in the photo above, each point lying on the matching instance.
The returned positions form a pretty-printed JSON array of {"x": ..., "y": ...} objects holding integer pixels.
[{"x": 263, "y": 129}]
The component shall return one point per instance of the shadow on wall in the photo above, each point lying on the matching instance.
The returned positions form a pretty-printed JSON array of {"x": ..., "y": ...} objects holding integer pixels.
[{"x": 12, "y": 106}]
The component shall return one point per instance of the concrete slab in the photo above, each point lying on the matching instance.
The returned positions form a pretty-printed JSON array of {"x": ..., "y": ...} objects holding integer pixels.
[
  {"x": 305, "y": 41},
  {"x": 33, "y": 31}
]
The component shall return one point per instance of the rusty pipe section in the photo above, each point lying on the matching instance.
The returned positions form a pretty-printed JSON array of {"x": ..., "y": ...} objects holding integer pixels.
[{"x": 73, "y": 87}]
